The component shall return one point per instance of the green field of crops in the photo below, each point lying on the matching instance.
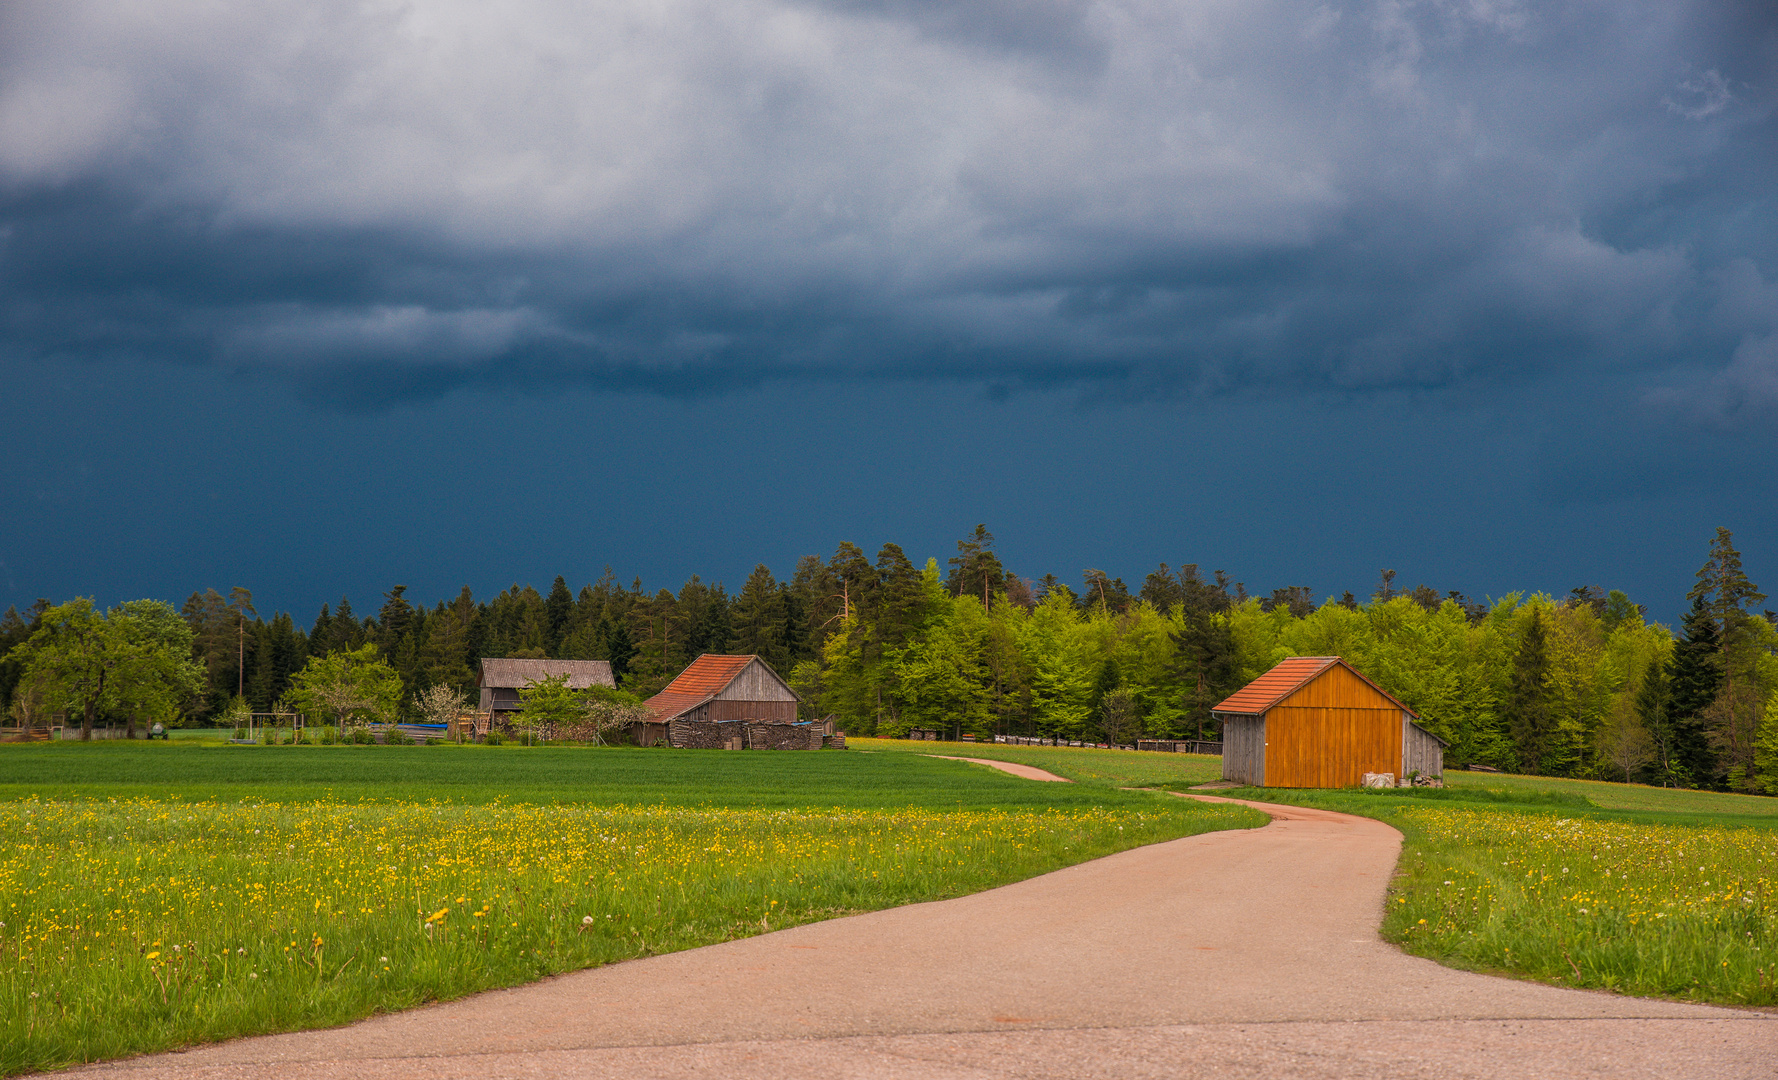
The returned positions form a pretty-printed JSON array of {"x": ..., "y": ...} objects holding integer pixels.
[
  {"x": 153, "y": 896},
  {"x": 474, "y": 774}
]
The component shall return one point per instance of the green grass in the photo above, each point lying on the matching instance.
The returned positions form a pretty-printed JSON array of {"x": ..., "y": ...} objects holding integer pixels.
[
  {"x": 1115, "y": 768},
  {"x": 154, "y": 896},
  {"x": 1633, "y": 797},
  {"x": 480, "y": 774}
]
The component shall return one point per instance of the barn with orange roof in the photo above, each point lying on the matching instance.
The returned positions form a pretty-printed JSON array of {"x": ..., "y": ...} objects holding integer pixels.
[
  {"x": 1315, "y": 722},
  {"x": 717, "y": 690}
]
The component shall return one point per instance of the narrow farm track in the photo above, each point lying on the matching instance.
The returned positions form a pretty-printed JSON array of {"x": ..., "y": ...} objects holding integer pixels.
[{"x": 1234, "y": 954}]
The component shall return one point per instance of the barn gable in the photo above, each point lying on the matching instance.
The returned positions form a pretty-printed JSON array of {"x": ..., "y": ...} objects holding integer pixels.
[{"x": 723, "y": 688}]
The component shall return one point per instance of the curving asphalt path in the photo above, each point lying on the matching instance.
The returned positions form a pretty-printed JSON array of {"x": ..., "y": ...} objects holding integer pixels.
[{"x": 1233, "y": 954}]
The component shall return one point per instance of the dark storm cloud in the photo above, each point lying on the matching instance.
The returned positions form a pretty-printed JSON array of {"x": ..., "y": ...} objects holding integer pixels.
[{"x": 380, "y": 205}]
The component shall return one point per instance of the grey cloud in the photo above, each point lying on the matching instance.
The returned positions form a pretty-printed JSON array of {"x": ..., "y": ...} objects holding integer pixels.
[{"x": 693, "y": 197}]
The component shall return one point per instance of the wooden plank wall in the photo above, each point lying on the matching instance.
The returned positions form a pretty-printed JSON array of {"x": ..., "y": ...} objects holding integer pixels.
[
  {"x": 776, "y": 712},
  {"x": 1328, "y": 747},
  {"x": 1244, "y": 750},
  {"x": 1331, "y": 732},
  {"x": 756, "y": 683},
  {"x": 1419, "y": 750},
  {"x": 1337, "y": 687}
]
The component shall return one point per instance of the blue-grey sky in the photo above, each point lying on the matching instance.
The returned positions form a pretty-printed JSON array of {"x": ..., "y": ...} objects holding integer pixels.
[{"x": 318, "y": 298}]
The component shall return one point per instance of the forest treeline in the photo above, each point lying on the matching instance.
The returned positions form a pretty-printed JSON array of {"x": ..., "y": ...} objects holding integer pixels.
[{"x": 1578, "y": 685}]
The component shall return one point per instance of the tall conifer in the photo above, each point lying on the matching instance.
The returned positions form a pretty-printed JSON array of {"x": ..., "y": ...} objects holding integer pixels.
[
  {"x": 1528, "y": 702},
  {"x": 1695, "y": 673}
]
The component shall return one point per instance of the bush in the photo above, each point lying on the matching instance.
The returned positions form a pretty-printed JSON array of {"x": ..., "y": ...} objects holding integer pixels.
[
  {"x": 361, "y": 736},
  {"x": 431, "y": 741},
  {"x": 240, "y": 733},
  {"x": 493, "y": 738},
  {"x": 329, "y": 735},
  {"x": 394, "y": 736}
]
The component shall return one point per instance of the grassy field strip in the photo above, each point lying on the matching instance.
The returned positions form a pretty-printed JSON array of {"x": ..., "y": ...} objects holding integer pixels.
[
  {"x": 1125, "y": 768},
  {"x": 1665, "y": 910},
  {"x": 136, "y": 925},
  {"x": 482, "y": 774},
  {"x": 1632, "y": 797}
]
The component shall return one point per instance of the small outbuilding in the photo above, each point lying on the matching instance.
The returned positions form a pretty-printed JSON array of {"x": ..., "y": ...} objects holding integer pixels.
[
  {"x": 501, "y": 680},
  {"x": 1315, "y": 722},
  {"x": 718, "y": 701}
]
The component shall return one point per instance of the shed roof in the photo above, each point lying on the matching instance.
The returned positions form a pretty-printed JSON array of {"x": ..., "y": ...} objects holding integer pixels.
[
  {"x": 1285, "y": 679},
  {"x": 701, "y": 680},
  {"x": 582, "y": 674}
]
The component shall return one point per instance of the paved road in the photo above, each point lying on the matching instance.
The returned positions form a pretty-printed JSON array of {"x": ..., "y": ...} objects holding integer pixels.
[{"x": 1235, "y": 954}]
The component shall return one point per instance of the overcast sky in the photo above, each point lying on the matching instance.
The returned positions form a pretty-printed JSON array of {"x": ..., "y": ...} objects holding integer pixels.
[{"x": 317, "y": 298}]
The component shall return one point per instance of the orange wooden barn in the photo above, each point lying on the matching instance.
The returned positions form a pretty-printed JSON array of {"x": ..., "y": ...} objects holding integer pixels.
[{"x": 1315, "y": 722}]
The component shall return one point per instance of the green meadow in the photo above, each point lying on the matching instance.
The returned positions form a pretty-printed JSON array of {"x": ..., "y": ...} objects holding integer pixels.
[{"x": 155, "y": 896}]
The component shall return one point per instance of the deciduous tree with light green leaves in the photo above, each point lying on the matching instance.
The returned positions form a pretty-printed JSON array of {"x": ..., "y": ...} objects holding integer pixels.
[
  {"x": 348, "y": 687},
  {"x": 134, "y": 660}
]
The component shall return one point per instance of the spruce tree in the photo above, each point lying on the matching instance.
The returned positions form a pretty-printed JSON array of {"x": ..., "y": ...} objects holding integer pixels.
[
  {"x": 1204, "y": 666},
  {"x": 1695, "y": 674},
  {"x": 1528, "y": 704},
  {"x": 620, "y": 646},
  {"x": 759, "y": 618},
  {"x": 1732, "y": 720},
  {"x": 1652, "y": 710},
  {"x": 393, "y": 622},
  {"x": 559, "y": 609}
]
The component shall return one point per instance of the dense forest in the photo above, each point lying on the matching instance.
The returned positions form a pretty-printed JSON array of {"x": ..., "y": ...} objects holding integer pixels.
[{"x": 1578, "y": 685}]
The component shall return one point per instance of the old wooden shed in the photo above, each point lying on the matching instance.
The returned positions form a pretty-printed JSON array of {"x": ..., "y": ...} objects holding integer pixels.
[
  {"x": 712, "y": 695},
  {"x": 501, "y": 680},
  {"x": 1315, "y": 722}
]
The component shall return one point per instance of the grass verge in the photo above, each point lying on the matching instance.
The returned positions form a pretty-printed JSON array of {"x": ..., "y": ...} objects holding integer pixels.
[{"x": 1087, "y": 765}]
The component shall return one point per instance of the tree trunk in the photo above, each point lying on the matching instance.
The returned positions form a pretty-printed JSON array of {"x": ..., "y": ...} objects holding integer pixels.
[{"x": 86, "y": 720}]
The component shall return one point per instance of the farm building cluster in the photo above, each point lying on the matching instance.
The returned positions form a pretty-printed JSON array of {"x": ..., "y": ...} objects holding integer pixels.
[
  {"x": 1309, "y": 722},
  {"x": 717, "y": 702}
]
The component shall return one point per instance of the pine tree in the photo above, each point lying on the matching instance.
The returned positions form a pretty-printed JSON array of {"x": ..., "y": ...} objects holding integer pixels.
[
  {"x": 1723, "y": 587},
  {"x": 1162, "y": 590},
  {"x": 976, "y": 570}
]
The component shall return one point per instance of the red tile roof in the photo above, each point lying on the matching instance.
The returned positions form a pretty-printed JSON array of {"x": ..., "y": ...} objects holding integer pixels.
[
  {"x": 666, "y": 705},
  {"x": 708, "y": 674},
  {"x": 702, "y": 680},
  {"x": 1275, "y": 685}
]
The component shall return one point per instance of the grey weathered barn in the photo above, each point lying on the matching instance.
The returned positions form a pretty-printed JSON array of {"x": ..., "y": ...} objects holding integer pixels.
[
  {"x": 501, "y": 679},
  {"x": 1314, "y": 721},
  {"x": 718, "y": 701}
]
